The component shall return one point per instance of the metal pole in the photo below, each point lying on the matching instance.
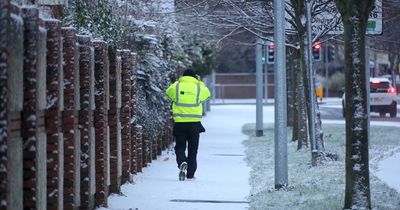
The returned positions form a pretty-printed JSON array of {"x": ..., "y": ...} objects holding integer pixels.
[
  {"x": 265, "y": 82},
  {"x": 326, "y": 69},
  {"x": 281, "y": 173},
  {"x": 367, "y": 75},
  {"x": 312, "y": 88},
  {"x": 259, "y": 89}
]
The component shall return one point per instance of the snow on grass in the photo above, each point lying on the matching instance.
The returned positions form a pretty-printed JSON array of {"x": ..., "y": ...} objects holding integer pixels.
[{"x": 320, "y": 187}]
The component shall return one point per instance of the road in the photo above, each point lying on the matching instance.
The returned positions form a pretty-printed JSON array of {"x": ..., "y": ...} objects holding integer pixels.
[{"x": 331, "y": 109}]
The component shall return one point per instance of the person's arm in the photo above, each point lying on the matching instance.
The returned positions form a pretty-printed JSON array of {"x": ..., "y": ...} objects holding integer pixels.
[
  {"x": 171, "y": 91},
  {"x": 204, "y": 92}
]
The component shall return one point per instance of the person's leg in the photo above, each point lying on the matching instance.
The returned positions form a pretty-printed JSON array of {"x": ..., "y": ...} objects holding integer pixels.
[
  {"x": 193, "y": 146},
  {"x": 180, "y": 143}
]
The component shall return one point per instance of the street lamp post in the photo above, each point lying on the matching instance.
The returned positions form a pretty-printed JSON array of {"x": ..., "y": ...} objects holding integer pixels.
[{"x": 281, "y": 173}]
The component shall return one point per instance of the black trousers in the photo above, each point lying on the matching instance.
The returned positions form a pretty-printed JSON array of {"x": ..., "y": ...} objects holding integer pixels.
[{"x": 187, "y": 133}]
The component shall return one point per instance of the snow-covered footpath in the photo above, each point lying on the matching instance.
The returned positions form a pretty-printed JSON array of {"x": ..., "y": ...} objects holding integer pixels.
[{"x": 222, "y": 179}]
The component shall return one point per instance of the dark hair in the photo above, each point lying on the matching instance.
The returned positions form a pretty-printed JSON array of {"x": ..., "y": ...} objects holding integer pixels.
[{"x": 189, "y": 72}]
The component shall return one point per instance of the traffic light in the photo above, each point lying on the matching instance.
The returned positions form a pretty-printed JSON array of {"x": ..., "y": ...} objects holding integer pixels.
[
  {"x": 331, "y": 53},
  {"x": 271, "y": 53},
  {"x": 263, "y": 54},
  {"x": 316, "y": 52}
]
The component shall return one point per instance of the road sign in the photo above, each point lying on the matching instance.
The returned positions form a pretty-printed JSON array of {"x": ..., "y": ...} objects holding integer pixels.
[{"x": 374, "y": 25}]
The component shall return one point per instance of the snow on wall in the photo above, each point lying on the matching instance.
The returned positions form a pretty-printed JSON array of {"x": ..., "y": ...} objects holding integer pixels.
[
  {"x": 101, "y": 119},
  {"x": 86, "y": 68},
  {"x": 54, "y": 85},
  {"x": 4, "y": 14},
  {"x": 56, "y": 80},
  {"x": 30, "y": 16}
]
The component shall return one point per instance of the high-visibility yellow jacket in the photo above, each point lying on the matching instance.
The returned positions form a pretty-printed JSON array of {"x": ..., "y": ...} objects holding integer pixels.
[{"x": 187, "y": 95}]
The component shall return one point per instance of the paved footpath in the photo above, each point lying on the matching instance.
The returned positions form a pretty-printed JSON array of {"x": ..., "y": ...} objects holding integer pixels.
[{"x": 221, "y": 179}]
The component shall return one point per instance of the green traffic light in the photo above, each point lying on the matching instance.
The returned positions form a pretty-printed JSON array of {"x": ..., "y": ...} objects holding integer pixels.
[{"x": 263, "y": 59}]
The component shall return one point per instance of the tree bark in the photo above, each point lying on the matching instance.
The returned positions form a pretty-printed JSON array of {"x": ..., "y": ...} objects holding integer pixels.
[
  {"x": 355, "y": 16},
  {"x": 300, "y": 130},
  {"x": 291, "y": 92},
  {"x": 302, "y": 113}
]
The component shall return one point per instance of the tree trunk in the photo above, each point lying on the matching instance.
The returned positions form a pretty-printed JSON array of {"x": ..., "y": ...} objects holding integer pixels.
[
  {"x": 300, "y": 100},
  {"x": 312, "y": 117},
  {"x": 300, "y": 13},
  {"x": 290, "y": 93},
  {"x": 319, "y": 132},
  {"x": 355, "y": 16},
  {"x": 302, "y": 113}
]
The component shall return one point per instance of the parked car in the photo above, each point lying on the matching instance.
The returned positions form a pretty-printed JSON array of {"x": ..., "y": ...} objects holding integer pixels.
[
  {"x": 383, "y": 97},
  {"x": 394, "y": 79}
]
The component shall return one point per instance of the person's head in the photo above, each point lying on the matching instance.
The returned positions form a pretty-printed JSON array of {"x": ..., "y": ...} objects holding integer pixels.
[{"x": 190, "y": 72}]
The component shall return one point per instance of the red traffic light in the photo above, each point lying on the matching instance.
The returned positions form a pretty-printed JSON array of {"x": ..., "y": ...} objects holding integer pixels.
[
  {"x": 316, "y": 51},
  {"x": 271, "y": 45}
]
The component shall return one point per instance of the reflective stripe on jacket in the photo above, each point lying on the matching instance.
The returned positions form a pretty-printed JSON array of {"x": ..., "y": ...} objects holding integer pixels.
[{"x": 187, "y": 95}]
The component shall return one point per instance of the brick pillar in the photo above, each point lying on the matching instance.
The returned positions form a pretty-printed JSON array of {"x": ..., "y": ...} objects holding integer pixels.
[
  {"x": 146, "y": 147},
  {"x": 134, "y": 115},
  {"x": 154, "y": 144},
  {"x": 114, "y": 120},
  {"x": 170, "y": 127},
  {"x": 41, "y": 136},
  {"x": 126, "y": 73},
  {"x": 160, "y": 140},
  {"x": 139, "y": 144},
  {"x": 55, "y": 85},
  {"x": 86, "y": 76},
  {"x": 148, "y": 142},
  {"x": 167, "y": 135},
  {"x": 101, "y": 121},
  {"x": 70, "y": 118},
  {"x": 15, "y": 103},
  {"x": 30, "y": 16},
  {"x": 171, "y": 131},
  {"x": 164, "y": 135},
  {"x": 4, "y": 53}
]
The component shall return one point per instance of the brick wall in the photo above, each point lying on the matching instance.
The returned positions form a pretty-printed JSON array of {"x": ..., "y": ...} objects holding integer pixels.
[
  {"x": 125, "y": 114},
  {"x": 30, "y": 115},
  {"x": 68, "y": 116},
  {"x": 114, "y": 120},
  {"x": 54, "y": 98},
  {"x": 101, "y": 121},
  {"x": 86, "y": 84},
  {"x": 4, "y": 69}
]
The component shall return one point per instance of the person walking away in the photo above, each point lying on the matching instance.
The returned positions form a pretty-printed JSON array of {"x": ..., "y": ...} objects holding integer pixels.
[{"x": 187, "y": 95}]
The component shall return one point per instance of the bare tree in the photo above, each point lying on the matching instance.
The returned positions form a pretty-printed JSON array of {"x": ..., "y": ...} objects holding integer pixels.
[
  {"x": 355, "y": 16},
  {"x": 296, "y": 10},
  {"x": 297, "y": 18},
  {"x": 232, "y": 17}
]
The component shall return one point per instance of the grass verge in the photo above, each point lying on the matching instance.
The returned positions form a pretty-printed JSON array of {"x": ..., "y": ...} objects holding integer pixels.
[{"x": 320, "y": 187}]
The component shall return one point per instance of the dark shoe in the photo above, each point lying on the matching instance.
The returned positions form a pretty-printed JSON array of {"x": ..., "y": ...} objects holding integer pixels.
[{"x": 182, "y": 171}]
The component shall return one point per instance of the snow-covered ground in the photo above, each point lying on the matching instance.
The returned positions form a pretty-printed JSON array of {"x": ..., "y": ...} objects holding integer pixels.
[
  {"x": 320, "y": 187},
  {"x": 388, "y": 171},
  {"x": 223, "y": 176}
]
